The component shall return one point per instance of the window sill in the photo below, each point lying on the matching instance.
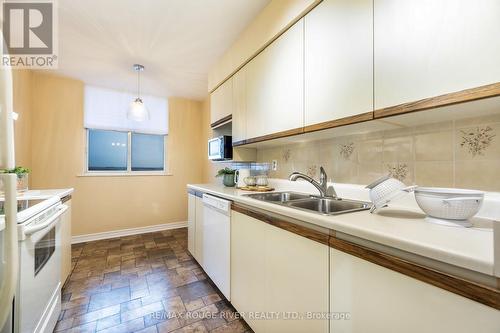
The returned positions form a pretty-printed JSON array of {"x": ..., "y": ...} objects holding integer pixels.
[{"x": 123, "y": 174}]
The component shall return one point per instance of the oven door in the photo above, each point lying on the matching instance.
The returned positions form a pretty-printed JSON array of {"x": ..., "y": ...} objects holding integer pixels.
[
  {"x": 38, "y": 299},
  {"x": 215, "y": 148}
]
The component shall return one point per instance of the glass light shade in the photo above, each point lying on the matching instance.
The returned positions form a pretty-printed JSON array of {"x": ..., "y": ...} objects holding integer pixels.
[{"x": 137, "y": 111}]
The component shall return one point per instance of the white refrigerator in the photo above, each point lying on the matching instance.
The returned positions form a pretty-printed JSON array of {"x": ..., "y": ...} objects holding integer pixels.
[{"x": 8, "y": 224}]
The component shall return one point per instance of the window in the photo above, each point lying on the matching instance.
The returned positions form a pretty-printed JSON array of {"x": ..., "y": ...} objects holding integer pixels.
[
  {"x": 118, "y": 151},
  {"x": 147, "y": 152},
  {"x": 116, "y": 144},
  {"x": 107, "y": 151}
]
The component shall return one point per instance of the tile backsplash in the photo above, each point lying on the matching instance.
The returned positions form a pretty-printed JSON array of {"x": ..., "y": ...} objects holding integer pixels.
[{"x": 462, "y": 153}]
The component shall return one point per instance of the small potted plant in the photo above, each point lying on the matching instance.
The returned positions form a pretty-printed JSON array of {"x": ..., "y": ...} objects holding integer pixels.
[
  {"x": 227, "y": 175},
  {"x": 22, "y": 177}
]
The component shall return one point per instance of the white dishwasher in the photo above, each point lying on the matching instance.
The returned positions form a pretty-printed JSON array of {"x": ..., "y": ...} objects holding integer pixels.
[{"x": 217, "y": 242}]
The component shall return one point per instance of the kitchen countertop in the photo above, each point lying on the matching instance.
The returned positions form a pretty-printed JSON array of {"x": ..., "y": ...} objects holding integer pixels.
[
  {"x": 39, "y": 194},
  {"x": 33, "y": 194},
  {"x": 403, "y": 227}
]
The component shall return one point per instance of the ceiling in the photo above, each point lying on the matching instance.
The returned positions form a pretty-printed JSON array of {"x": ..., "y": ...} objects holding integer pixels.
[{"x": 176, "y": 40}]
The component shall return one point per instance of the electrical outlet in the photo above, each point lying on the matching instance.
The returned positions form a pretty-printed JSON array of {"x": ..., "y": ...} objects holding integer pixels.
[{"x": 274, "y": 165}]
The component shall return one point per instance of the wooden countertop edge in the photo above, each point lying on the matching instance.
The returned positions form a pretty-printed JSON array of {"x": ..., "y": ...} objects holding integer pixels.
[
  {"x": 300, "y": 230},
  {"x": 477, "y": 292}
]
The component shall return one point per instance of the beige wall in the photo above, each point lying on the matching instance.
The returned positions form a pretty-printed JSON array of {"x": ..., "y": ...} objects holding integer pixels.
[
  {"x": 206, "y": 134},
  {"x": 108, "y": 203},
  {"x": 22, "y": 81}
]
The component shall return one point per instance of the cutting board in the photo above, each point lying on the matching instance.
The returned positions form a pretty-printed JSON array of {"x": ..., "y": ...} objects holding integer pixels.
[{"x": 257, "y": 188}]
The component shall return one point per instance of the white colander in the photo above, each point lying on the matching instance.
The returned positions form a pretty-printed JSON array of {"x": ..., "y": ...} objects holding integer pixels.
[
  {"x": 385, "y": 190},
  {"x": 453, "y": 204}
]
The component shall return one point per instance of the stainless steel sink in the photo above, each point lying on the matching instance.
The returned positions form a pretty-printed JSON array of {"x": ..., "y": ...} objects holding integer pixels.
[
  {"x": 278, "y": 196},
  {"x": 306, "y": 202},
  {"x": 329, "y": 206}
]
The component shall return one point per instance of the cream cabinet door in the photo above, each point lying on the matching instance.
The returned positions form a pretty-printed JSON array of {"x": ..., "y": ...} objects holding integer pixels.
[
  {"x": 426, "y": 48},
  {"x": 198, "y": 231},
  {"x": 66, "y": 243},
  {"x": 296, "y": 281},
  {"x": 221, "y": 101},
  {"x": 377, "y": 299},
  {"x": 280, "y": 274},
  {"x": 239, "y": 106},
  {"x": 248, "y": 276},
  {"x": 338, "y": 60},
  {"x": 275, "y": 84},
  {"x": 191, "y": 223}
]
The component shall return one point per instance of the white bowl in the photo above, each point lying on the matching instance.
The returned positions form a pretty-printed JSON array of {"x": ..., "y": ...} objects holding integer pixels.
[{"x": 449, "y": 203}]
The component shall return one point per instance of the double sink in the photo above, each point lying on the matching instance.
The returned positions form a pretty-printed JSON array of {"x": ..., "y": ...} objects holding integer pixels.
[{"x": 307, "y": 202}]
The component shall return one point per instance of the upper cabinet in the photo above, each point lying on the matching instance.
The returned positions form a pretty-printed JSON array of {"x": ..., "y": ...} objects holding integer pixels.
[
  {"x": 274, "y": 82},
  {"x": 221, "y": 102},
  {"x": 338, "y": 60},
  {"x": 239, "y": 106},
  {"x": 426, "y": 48}
]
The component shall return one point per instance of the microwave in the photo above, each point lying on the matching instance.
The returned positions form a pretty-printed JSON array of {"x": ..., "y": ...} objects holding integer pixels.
[{"x": 220, "y": 148}]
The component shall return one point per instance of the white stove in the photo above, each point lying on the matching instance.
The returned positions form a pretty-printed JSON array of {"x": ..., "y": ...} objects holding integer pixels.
[{"x": 37, "y": 300}]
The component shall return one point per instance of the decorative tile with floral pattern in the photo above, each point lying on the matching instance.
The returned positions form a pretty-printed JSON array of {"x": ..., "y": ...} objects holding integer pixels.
[
  {"x": 312, "y": 170},
  {"x": 346, "y": 150},
  {"x": 477, "y": 140},
  {"x": 287, "y": 153},
  {"x": 398, "y": 171}
]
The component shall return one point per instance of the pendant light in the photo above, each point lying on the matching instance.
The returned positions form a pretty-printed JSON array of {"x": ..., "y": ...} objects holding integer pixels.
[{"x": 137, "y": 110}]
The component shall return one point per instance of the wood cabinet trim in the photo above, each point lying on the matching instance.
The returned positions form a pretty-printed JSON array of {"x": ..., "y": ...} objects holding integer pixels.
[
  {"x": 339, "y": 122},
  {"x": 273, "y": 136},
  {"x": 463, "y": 96},
  {"x": 221, "y": 121},
  {"x": 297, "y": 229},
  {"x": 467, "y": 95},
  {"x": 477, "y": 292}
]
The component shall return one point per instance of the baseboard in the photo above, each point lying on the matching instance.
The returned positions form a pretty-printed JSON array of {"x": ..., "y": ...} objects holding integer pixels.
[{"x": 126, "y": 232}]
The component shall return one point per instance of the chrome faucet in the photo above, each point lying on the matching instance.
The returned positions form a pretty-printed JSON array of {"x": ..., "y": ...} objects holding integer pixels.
[{"x": 322, "y": 186}]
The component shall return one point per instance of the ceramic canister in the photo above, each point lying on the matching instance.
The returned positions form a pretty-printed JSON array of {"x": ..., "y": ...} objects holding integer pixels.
[{"x": 240, "y": 176}]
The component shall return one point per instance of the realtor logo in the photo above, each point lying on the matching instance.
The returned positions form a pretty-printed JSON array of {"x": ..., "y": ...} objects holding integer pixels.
[{"x": 29, "y": 31}]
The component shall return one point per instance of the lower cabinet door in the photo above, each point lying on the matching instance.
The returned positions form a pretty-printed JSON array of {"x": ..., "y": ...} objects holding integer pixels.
[
  {"x": 279, "y": 280},
  {"x": 248, "y": 276},
  {"x": 198, "y": 231},
  {"x": 296, "y": 282},
  {"x": 191, "y": 222},
  {"x": 376, "y": 299},
  {"x": 66, "y": 243}
]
